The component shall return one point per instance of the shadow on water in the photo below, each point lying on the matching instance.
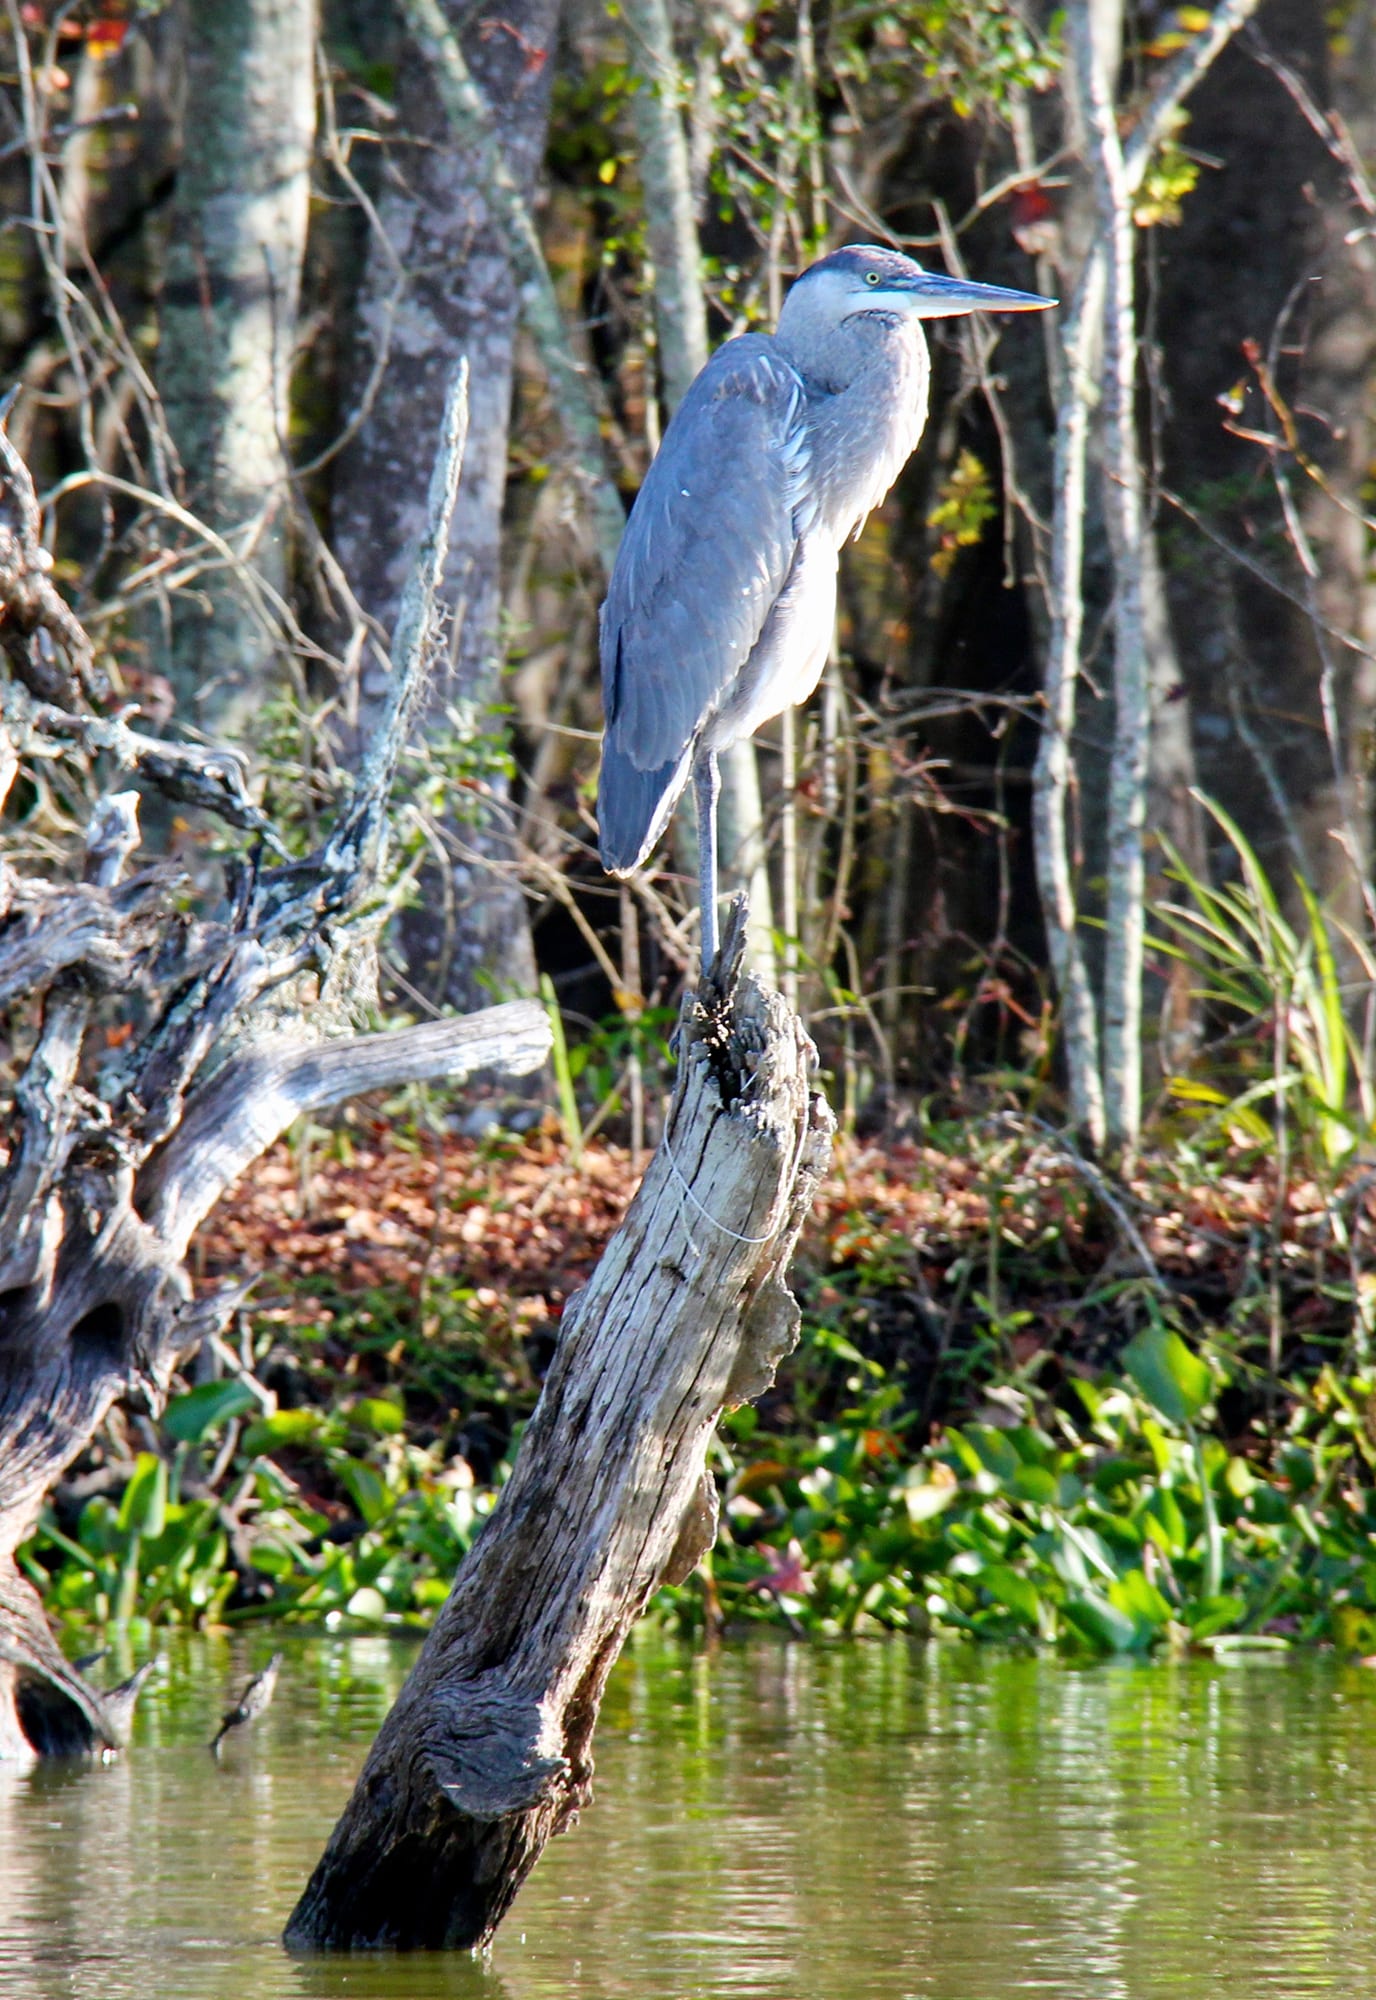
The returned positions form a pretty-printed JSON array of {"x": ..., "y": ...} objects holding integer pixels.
[{"x": 873, "y": 1822}]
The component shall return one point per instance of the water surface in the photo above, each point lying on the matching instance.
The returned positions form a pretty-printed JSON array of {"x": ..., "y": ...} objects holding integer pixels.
[{"x": 876, "y": 1822}]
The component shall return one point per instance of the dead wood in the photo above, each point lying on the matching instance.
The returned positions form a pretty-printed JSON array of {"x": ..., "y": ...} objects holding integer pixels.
[
  {"x": 112, "y": 1159},
  {"x": 488, "y": 1751}
]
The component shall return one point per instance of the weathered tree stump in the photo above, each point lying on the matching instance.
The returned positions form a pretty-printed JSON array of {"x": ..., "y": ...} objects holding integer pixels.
[
  {"x": 487, "y": 1752},
  {"x": 231, "y": 1026}
]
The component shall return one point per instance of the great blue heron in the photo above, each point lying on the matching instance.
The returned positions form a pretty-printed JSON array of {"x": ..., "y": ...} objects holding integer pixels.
[{"x": 720, "y": 608}]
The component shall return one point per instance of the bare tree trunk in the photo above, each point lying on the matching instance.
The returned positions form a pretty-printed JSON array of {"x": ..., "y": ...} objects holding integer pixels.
[
  {"x": 1173, "y": 809},
  {"x": 441, "y": 284},
  {"x": 487, "y": 1752},
  {"x": 1055, "y": 762},
  {"x": 681, "y": 332},
  {"x": 228, "y": 333},
  {"x": 1095, "y": 41}
]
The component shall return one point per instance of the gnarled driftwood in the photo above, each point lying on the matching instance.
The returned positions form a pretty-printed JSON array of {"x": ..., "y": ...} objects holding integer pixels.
[{"x": 111, "y": 1161}]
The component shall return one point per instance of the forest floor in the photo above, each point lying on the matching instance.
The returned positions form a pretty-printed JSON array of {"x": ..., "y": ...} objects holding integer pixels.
[
  {"x": 942, "y": 1264},
  {"x": 1031, "y": 1402}
]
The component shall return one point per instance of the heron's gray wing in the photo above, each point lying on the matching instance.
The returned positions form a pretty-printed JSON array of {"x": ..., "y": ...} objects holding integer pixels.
[{"x": 705, "y": 554}]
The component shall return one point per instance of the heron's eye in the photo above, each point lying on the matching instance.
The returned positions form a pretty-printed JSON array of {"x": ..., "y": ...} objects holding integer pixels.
[{"x": 871, "y": 277}]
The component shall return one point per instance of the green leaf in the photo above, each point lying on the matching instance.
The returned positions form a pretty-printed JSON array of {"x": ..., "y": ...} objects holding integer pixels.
[
  {"x": 1175, "y": 1381},
  {"x": 1212, "y": 1616},
  {"x": 1036, "y": 1484},
  {"x": 283, "y": 1427},
  {"x": 1014, "y": 1591},
  {"x": 366, "y": 1490},
  {"x": 143, "y": 1510},
  {"x": 1165, "y": 1523},
  {"x": 1101, "y": 1623},
  {"x": 376, "y": 1414},
  {"x": 994, "y": 1451},
  {"x": 1141, "y": 1601},
  {"x": 193, "y": 1416}
]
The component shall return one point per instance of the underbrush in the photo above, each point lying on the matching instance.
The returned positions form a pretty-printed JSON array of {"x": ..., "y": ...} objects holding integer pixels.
[{"x": 1028, "y": 1406}]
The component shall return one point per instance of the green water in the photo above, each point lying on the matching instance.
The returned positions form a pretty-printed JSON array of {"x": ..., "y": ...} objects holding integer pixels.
[{"x": 778, "y": 1823}]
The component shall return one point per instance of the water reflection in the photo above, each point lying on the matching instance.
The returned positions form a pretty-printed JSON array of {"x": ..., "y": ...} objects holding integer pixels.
[{"x": 874, "y": 1822}]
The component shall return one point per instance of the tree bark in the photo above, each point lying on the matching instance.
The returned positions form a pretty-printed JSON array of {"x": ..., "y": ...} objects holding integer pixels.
[
  {"x": 1095, "y": 61},
  {"x": 443, "y": 284},
  {"x": 487, "y": 1753},
  {"x": 1055, "y": 767},
  {"x": 228, "y": 318}
]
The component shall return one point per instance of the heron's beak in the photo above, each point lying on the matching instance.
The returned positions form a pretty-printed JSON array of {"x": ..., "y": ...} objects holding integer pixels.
[{"x": 933, "y": 296}]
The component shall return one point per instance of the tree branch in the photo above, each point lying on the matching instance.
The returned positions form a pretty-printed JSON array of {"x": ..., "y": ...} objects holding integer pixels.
[
  {"x": 356, "y": 845},
  {"x": 237, "y": 1115}
]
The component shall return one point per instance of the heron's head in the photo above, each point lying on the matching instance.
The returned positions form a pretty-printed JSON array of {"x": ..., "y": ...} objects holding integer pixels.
[{"x": 865, "y": 278}]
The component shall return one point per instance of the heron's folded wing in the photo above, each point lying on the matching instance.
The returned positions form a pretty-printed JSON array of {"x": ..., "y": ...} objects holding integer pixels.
[{"x": 705, "y": 554}]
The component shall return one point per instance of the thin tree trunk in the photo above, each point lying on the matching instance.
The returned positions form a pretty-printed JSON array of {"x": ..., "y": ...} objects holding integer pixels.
[
  {"x": 1094, "y": 48},
  {"x": 487, "y": 1753},
  {"x": 228, "y": 330},
  {"x": 681, "y": 339},
  {"x": 1105, "y": 286},
  {"x": 1055, "y": 761}
]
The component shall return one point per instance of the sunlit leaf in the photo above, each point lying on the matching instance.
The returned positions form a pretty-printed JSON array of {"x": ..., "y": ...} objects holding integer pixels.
[
  {"x": 143, "y": 1509},
  {"x": 204, "y": 1409},
  {"x": 1171, "y": 1378}
]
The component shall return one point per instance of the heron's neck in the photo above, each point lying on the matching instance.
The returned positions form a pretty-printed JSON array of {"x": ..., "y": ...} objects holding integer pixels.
[{"x": 867, "y": 394}]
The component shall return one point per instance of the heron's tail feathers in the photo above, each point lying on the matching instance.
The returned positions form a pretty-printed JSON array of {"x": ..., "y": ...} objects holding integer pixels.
[{"x": 633, "y": 806}]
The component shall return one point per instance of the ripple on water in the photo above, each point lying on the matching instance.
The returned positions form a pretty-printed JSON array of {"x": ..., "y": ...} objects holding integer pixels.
[{"x": 878, "y": 1822}]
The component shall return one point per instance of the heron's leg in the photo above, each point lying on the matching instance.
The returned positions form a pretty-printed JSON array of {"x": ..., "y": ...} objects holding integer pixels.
[{"x": 706, "y": 785}]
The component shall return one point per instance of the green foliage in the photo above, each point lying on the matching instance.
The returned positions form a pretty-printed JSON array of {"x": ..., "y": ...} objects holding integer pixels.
[
  {"x": 964, "y": 507},
  {"x": 1171, "y": 175},
  {"x": 1109, "y": 1525},
  {"x": 977, "y": 54},
  {"x": 1281, "y": 995},
  {"x": 410, "y": 1517},
  {"x": 1109, "y": 1519}
]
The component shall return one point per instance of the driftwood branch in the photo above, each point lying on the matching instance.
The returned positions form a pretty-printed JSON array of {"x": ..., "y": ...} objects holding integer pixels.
[
  {"x": 44, "y": 642},
  {"x": 238, "y": 1114},
  {"x": 488, "y": 1751},
  {"x": 212, "y": 778},
  {"x": 48, "y": 928}
]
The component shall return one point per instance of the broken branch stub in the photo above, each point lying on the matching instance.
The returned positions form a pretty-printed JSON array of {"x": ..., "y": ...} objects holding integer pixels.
[{"x": 487, "y": 1752}]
